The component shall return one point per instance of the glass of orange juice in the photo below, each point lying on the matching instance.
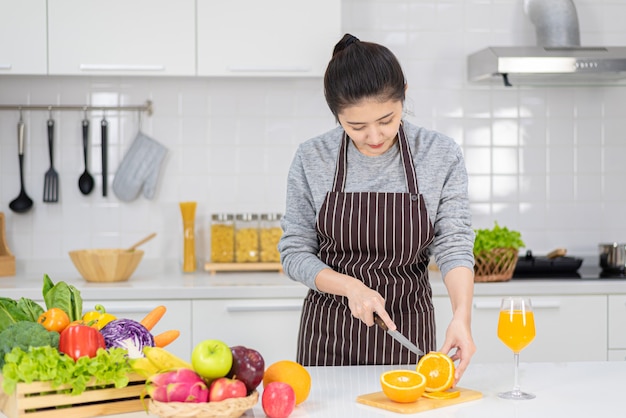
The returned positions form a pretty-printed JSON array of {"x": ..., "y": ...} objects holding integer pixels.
[{"x": 516, "y": 329}]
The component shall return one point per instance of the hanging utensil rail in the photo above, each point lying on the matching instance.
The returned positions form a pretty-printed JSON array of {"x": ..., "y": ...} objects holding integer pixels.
[{"x": 147, "y": 107}]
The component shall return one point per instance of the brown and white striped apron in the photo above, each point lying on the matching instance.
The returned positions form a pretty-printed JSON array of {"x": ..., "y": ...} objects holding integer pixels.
[{"x": 380, "y": 239}]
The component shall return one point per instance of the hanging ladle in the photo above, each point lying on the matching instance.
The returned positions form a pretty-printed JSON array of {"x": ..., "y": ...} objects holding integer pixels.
[
  {"x": 22, "y": 203},
  {"x": 85, "y": 181},
  {"x": 143, "y": 241}
]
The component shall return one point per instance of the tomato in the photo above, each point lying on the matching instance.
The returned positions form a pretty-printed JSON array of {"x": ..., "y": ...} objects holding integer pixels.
[{"x": 54, "y": 319}]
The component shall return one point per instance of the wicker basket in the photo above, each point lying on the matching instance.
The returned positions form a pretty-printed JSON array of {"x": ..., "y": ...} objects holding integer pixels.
[
  {"x": 228, "y": 408},
  {"x": 496, "y": 265}
]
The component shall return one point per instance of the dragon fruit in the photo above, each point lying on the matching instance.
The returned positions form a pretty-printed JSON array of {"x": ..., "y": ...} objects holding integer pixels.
[{"x": 181, "y": 385}]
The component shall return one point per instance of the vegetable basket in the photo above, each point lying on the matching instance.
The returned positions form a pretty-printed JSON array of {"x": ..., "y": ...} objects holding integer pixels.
[
  {"x": 41, "y": 400},
  {"x": 228, "y": 408},
  {"x": 496, "y": 265}
]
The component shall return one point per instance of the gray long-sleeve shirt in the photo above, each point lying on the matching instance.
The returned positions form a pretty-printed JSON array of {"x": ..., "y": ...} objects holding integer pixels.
[{"x": 441, "y": 176}]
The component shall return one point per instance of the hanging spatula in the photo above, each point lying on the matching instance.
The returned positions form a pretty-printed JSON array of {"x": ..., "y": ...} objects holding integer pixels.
[{"x": 51, "y": 180}]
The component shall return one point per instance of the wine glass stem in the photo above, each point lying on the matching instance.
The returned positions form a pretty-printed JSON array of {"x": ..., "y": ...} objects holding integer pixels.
[{"x": 516, "y": 387}]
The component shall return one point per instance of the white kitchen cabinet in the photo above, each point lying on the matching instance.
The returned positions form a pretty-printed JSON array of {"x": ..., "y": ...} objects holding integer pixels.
[
  {"x": 617, "y": 323},
  {"x": 177, "y": 316},
  {"x": 118, "y": 37},
  {"x": 569, "y": 328},
  {"x": 617, "y": 355},
  {"x": 269, "y": 326},
  {"x": 23, "y": 49},
  {"x": 266, "y": 38}
]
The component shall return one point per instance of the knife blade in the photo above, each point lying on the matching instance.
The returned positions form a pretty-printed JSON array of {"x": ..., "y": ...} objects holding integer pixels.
[{"x": 396, "y": 335}]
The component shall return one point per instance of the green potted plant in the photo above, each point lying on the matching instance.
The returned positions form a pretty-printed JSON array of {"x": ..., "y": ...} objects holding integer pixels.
[{"x": 495, "y": 253}]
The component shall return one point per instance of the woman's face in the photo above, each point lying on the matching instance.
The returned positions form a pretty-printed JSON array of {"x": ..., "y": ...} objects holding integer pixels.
[{"x": 372, "y": 125}]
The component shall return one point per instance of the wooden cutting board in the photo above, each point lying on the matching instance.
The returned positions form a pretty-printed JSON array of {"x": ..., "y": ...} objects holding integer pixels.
[{"x": 380, "y": 400}]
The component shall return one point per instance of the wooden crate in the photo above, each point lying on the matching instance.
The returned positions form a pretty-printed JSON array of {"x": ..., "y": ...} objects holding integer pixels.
[{"x": 40, "y": 400}]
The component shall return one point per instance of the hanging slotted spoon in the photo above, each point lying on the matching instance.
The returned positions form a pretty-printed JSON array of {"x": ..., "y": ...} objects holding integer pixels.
[{"x": 51, "y": 180}]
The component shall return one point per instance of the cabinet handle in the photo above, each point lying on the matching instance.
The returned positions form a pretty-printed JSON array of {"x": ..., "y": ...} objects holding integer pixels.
[
  {"x": 120, "y": 67},
  {"x": 264, "y": 308},
  {"x": 268, "y": 69},
  {"x": 128, "y": 309},
  {"x": 5, "y": 66},
  {"x": 540, "y": 304}
]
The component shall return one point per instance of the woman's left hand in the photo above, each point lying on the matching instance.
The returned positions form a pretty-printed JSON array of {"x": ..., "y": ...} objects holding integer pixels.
[{"x": 459, "y": 337}]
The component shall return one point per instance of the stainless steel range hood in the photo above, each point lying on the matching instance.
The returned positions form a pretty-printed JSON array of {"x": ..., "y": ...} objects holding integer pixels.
[
  {"x": 548, "y": 65},
  {"x": 558, "y": 58}
]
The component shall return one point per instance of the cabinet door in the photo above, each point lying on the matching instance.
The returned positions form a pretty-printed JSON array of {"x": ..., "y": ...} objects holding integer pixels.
[
  {"x": 269, "y": 326},
  {"x": 23, "y": 49},
  {"x": 266, "y": 38},
  {"x": 118, "y": 37},
  {"x": 569, "y": 328},
  {"x": 617, "y": 321},
  {"x": 617, "y": 355},
  {"x": 177, "y": 316}
]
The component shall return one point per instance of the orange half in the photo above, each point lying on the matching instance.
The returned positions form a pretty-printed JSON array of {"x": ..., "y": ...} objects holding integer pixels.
[
  {"x": 438, "y": 368},
  {"x": 403, "y": 385}
]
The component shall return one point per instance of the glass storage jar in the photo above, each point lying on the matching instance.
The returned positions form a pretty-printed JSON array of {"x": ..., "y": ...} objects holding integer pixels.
[
  {"x": 269, "y": 236},
  {"x": 222, "y": 238},
  {"x": 247, "y": 238}
]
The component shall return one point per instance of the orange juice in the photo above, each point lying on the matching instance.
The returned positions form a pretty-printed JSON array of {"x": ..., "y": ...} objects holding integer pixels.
[{"x": 516, "y": 329}]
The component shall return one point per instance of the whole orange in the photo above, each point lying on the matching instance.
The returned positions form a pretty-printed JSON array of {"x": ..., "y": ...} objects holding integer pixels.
[{"x": 293, "y": 374}]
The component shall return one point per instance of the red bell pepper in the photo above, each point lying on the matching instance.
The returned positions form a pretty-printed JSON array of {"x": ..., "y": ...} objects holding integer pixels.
[{"x": 80, "y": 340}]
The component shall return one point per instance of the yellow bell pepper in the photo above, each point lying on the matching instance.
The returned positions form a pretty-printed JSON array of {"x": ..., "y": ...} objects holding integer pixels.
[{"x": 98, "y": 318}]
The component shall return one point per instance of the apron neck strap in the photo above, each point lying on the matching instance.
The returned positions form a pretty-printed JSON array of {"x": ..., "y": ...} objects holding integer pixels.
[{"x": 407, "y": 162}]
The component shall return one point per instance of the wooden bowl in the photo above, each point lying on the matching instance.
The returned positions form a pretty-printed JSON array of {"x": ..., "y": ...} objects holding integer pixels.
[{"x": 106, "y": 265}]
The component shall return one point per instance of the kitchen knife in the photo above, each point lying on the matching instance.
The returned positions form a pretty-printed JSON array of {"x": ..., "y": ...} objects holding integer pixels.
[{"x": 397, "y": 336}]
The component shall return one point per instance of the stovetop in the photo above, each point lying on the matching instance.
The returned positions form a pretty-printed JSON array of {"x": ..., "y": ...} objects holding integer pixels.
[{"x": 585, "y": 272}]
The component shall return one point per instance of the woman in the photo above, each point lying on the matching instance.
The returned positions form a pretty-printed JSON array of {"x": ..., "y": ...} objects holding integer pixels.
[{"x": 358, "y": 231}]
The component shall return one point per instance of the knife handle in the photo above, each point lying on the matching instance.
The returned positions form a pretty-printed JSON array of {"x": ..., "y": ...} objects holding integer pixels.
[{"x": 379, "y": 321}]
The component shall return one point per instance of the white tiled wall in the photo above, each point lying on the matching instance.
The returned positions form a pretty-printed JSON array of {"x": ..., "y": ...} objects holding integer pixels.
[{"x": 546, "y": 161}]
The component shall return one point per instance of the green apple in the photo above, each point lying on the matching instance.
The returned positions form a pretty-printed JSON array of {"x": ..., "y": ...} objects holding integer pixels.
[{"x": 212, "y": 359}]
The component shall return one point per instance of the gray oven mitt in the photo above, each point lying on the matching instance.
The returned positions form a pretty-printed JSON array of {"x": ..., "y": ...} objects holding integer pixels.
[{"x": 139, "y": 169}]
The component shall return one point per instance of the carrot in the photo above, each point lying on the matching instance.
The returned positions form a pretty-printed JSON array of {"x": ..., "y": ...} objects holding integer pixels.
[
  {"x": 166, "y": 338},
  {"x": 153, "y": 317}
]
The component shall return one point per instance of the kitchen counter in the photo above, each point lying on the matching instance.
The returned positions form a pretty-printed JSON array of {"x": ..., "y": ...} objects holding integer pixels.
[
  {"x": 573, "y": 390},
  {"x": 164, "y": 280}
]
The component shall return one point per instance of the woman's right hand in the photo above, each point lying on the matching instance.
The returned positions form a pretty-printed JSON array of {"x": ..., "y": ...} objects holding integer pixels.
[{"x": 362, "y": 300}]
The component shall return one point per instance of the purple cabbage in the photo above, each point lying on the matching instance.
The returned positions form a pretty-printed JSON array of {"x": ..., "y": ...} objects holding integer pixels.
[{"x": 127, "y": 334}]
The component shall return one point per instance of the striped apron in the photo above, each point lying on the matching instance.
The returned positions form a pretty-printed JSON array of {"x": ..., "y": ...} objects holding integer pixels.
[{"x": 380, "y": 239}]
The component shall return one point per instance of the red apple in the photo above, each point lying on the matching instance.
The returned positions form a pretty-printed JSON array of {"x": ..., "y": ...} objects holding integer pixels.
[
  {"x": 278, "y": 400},
  {"x": 225, "y": 388},
  {"x": 248, "y": 366}
]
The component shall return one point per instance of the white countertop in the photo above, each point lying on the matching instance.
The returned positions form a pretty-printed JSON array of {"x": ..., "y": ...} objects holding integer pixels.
[
  {"x": 573, "y": 390},
  {"x": 164, "y": 280}
]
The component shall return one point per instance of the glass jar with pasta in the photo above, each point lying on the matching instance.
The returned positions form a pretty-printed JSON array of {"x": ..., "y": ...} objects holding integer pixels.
[
  {"x": 269, "y": 237},
  {"x": 222, "y": 238},
  {"x": 247, "y": 238}
]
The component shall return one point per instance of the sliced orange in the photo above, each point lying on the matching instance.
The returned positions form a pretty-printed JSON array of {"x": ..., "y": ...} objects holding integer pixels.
[
  {"x": 403, "y": 385},
  {"x": 448, "y": 394},
  {"x": 438, "y": 368}
]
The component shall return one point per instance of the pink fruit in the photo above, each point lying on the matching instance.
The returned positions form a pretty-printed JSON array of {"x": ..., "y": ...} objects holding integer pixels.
[
  {"x": 225, "y": 388},
  {"x": 278, "y": 400},
  {"x": 248, "y": 366},
  {"x": 182, "y": 385}
]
